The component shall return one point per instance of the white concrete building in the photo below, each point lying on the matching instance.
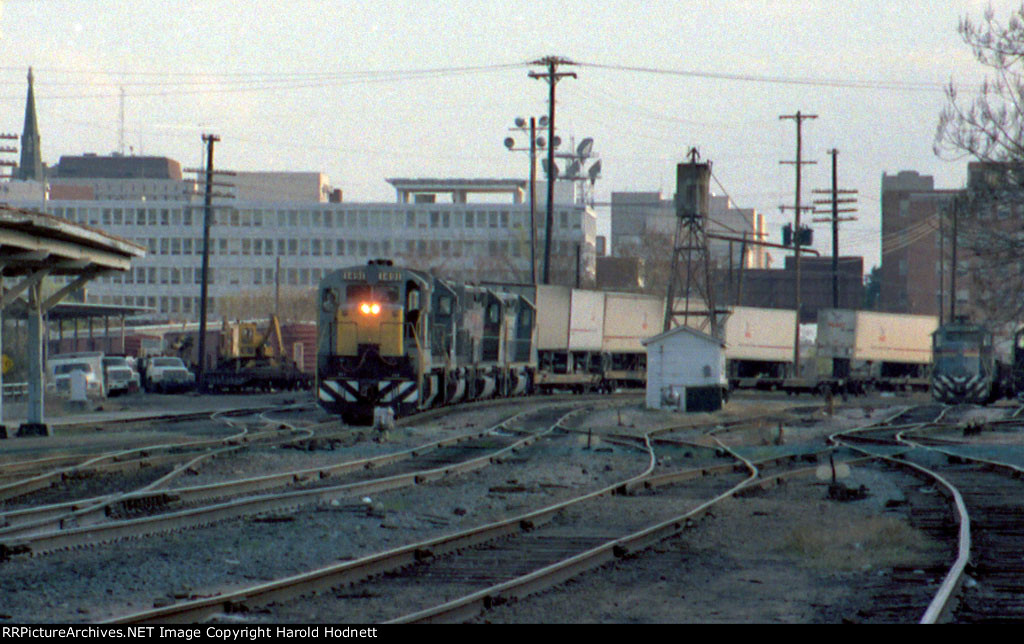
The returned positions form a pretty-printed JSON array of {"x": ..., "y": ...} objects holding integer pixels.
[
  {"x": 639, "y": 215},
  {"x": 486, "y": 241},
  {"x": 685, "y": 371}
]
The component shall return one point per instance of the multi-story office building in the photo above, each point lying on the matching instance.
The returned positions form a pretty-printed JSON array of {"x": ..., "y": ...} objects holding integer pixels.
[
  {"x": 912, "y": 271},
  {"x": 290, "y": 241}
]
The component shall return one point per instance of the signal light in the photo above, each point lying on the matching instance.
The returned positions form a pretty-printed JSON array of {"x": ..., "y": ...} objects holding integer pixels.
[{"x": 370, "y": 308}]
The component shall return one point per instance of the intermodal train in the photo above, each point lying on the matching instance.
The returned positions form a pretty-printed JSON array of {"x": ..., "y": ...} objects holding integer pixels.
[{"x": 405, "y": 339}]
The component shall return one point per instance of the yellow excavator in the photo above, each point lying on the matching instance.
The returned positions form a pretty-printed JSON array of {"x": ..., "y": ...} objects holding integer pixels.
[{"x": 254, "y": 359}]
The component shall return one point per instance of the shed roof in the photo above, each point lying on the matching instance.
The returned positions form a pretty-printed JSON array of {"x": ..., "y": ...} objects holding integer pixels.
[{"x": 683, "y": 329}]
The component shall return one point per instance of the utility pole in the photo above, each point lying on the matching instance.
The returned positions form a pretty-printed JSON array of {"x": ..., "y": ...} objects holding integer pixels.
[
  {"x": 209, "y": 139},
  {"x": 952, "y": 272},
  {"x": 942, "y": 269},
  {"x": 797, "y": 231},
  {"x": 552, "y": 76},
  {"x": 835, "y": 201}
]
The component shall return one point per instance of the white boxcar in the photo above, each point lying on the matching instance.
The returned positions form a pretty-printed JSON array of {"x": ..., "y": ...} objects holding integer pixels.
[
  {"x": 629, "y": 319},
  {"x": 553, "y": 317},
  {"x": 764, "y": 335},
  {"x": 586, "y": 320},
  {"x": 875, "y": 337}
]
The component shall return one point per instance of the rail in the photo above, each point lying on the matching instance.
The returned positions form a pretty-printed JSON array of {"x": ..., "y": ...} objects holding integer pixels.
[{"x": 15, "y": 389}]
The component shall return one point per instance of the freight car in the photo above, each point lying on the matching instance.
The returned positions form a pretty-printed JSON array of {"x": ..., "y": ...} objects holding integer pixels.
[
  {"x": 404, "y": 339},
  {"x": 408, "y": 340}
]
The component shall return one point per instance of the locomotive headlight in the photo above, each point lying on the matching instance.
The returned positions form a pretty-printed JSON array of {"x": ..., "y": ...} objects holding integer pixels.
[{"x": 370, "y": 308}]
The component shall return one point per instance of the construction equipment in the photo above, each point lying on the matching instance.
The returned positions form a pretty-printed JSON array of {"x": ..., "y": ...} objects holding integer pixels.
[{"x": 254, "y": 359}]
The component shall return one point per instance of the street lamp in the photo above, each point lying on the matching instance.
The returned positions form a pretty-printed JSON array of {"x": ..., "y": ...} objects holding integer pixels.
[{"x": 535, "y": 142}]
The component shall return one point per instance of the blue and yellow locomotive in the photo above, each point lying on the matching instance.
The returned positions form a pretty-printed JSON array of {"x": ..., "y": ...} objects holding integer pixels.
[
  {"x": 965, "y": 369},
  {"x": 407, "y": 340}
]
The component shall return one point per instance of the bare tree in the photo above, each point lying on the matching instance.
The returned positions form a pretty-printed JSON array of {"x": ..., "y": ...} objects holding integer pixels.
[{"x": 989, "y": 130}]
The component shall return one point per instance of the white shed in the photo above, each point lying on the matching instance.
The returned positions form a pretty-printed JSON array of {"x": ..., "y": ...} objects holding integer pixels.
[{"x": 685, "y": 371}]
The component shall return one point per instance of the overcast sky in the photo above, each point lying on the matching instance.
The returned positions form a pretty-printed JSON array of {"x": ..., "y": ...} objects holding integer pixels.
[{"x": 364, "y": 91}]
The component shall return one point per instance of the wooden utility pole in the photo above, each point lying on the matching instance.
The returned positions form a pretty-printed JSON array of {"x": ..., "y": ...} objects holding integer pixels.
[
  {"x": 552, "y": 76},
  {"x": 209, "y": 140},
  {"x": 834, "y": 220},
  {"x": 797, "y": 231},
  {"x": 952, "y": 272}
]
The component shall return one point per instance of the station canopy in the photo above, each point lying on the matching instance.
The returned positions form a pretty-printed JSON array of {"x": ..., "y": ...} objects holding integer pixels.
[{"x": 35, "y": 245}]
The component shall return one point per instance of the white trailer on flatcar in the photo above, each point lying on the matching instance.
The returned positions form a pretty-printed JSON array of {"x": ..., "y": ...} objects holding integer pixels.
[
  {"x": 629, "y": 319},
  {"x": 759, "y": 346},
  {"x": 884, "y": 350}
]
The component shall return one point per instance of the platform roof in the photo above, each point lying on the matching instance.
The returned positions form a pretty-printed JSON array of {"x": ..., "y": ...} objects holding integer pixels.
[
  {"x": 32, "y": 241},
  {"x": 78, "y": 311}
]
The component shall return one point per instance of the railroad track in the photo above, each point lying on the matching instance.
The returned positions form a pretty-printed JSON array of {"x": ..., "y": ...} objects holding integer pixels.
[
  {"x": 176, "y": 509},
  {"x": 526, "y": 554},
  {"x": 156, "y": 466},
  {"x": 983, "y": 584},
  {"x": 509, "y": 559}
]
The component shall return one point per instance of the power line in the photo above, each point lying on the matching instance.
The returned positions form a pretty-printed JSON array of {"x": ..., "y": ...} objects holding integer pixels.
[{"x": 930, "y": 86}]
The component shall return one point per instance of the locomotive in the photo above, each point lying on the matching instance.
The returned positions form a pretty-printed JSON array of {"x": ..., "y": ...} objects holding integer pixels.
[
  {"x": 965, "y": 368},
  {"x": 407, "y": 340}
]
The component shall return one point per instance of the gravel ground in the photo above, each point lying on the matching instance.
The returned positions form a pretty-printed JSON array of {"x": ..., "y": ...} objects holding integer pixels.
[
  {"x": 747, "y": 562},
  {"x": 787, "y": 556},
  {"x": 98, "y": 583}
]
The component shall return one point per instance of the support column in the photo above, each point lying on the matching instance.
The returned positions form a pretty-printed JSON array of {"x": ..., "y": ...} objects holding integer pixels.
[{"x": 34, "y": 355}]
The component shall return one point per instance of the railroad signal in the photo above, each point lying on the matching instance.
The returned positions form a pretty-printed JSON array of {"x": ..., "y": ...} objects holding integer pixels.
[{"x": 805, "y": 238}]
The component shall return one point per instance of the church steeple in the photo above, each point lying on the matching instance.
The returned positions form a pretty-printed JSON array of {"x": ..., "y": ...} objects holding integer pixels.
[{"x": 31, "y": 166}]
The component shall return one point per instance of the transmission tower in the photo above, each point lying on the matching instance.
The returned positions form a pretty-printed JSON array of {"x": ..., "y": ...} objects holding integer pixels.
[{"x": 690, "y": 271}]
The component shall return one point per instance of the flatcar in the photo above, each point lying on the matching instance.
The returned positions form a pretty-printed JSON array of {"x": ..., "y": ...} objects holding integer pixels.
[
  {"x": 965, "y": 369},
  {"x": 399, "y": 338}
]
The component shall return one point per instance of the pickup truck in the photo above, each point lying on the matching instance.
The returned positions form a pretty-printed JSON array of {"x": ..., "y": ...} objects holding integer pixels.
[
  {"x": 120, "y": 376},
  {"x": 167, "y": 373}
]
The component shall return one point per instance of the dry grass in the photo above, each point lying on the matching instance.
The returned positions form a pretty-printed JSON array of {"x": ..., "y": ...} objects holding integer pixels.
[{"x": 854, "y": 544}]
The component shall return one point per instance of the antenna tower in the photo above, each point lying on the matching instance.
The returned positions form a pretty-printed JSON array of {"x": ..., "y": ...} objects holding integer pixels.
[{"x": 120, "y": 129}]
